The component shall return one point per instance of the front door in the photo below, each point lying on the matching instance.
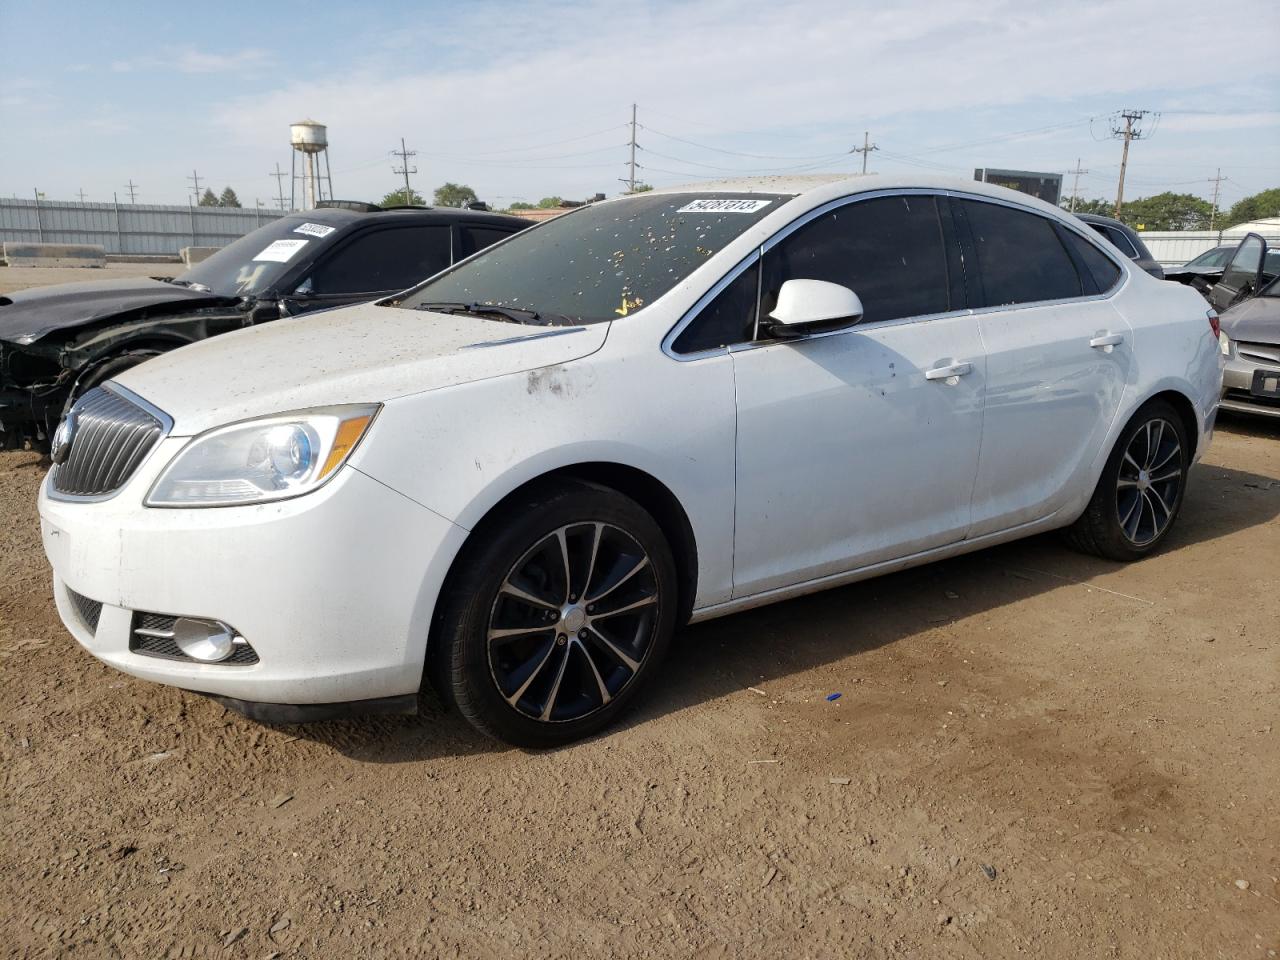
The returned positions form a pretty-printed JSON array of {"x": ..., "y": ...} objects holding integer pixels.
[
  {"x": 859, "y": 446},
  {"x": 1243, "y": 275}
]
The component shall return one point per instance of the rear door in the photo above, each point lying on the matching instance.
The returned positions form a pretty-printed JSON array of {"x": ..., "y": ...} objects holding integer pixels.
[
  {"x": 377, "y": 261},
  {"x": 1058, "y": 357},
  {"x": 1243, "y": 275}
]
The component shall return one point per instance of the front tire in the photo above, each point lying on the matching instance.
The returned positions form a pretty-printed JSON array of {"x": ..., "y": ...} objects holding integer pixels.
[
  {"x": 558, "y": 616},
  {"x": 1141, "y": 489}
]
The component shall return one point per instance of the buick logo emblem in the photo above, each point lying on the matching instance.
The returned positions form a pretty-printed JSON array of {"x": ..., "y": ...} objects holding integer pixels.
[{"x": 60, "y": 447}]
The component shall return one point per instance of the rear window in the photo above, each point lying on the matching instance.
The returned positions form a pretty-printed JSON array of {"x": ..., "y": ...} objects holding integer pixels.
[
  {"x": 1101, "y": 269},
  {"x": 1020, "y": 258}
]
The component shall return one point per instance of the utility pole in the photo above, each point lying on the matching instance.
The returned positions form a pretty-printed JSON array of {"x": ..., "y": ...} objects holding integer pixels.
[
  {"x": 1075, "y": 183},
  {"x": 631, "y": 180},
  {"x": 865, "y": 149},
  {"x": 80, "y": 194},
  {"x": 404, "y": 156},
  {"x": 133, "y": 190},
  {"x": 1130, "y": 132},
  {"x": 1217, "y": 183},
  {"x": 279, "y": 175},
  {"x": 195, "y": 179}
]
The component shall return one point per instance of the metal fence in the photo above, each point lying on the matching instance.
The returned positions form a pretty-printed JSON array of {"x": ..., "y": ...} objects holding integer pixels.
[{"x": 127, "y": 228}]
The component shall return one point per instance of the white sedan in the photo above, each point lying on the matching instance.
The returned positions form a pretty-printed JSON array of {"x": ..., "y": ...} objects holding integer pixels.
[{"x": 516, "y": 480}]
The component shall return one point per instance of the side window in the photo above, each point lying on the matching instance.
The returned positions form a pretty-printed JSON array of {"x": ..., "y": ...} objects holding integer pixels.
[
  {"x": 475, "y": 239},
  {"x": 1122, "y": 243},
  {"x": 391, "y": 259},
  {"x": 890, "y": 251},
  {"x": 1104, "y": 272},
  {"x": 1020, "y": 258},
  {"x": 728, "y": 319}
]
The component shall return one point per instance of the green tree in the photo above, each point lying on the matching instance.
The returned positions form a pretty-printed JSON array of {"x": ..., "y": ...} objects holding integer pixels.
[
  {"x": 1168, "y": 211},
  {"x": 397, "y": 198},
  {"x": 642, "y": 188},
  {"x": 454, "y": 195},
  {"x": 1098, "y": 206},
  {"x": 521, "y": 205},
  {"x": 1257, "y": 207},
  {"x": 548, "y": 203},
  {"x": 208, "y": 199},
  {"x": 228, "y": 198}
]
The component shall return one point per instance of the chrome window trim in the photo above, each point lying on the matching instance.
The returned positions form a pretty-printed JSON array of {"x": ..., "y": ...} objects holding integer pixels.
[
  {"x": 691, "y": 314},
  {"x": 951, "y": 193},
  {"x": 166, "y": 425}
]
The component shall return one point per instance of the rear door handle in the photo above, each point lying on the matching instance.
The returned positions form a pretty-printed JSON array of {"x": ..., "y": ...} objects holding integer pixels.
[
  {"x": 952, "y": 370},
  {"x": 1107, "y": 340}
]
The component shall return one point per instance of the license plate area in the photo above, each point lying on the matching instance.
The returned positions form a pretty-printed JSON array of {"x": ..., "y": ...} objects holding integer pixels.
[{"x": 1266, "y": 383}]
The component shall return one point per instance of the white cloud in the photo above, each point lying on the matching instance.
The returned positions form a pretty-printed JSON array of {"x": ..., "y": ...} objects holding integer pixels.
[
  {"x": 1195, "y": 123},
  {"x": 826, "y": 65},
  {"x": 190, "y": 60}
]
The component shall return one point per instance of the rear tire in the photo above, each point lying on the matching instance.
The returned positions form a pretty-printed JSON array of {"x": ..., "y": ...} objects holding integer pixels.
[
  {"x": 558, "y": 615},
  {"x": 1141, "y": 489}
]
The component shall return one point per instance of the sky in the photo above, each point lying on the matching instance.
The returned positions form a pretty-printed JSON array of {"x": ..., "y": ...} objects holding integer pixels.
[{"x": 522, "y": 99}]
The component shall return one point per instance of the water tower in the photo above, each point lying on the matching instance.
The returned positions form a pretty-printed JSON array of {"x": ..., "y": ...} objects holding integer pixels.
[{"x": 310, "y": 139}]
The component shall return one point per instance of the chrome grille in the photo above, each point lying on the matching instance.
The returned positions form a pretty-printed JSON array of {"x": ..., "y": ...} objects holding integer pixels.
[
  {"x": 1265, "y": 352},
  {"x": 152, "y": 636},
  {"x": 89, "y": 610},
  {"x": 109, "y": 436}
]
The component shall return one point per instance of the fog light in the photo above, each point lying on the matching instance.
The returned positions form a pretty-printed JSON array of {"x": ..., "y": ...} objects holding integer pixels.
[{"x": 206, "y": 640}]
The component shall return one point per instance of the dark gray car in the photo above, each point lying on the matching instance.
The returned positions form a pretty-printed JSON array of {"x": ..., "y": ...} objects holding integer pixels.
[
  {"x": 1250, "y": 341},
  {"x": 1125, "y": 239}
]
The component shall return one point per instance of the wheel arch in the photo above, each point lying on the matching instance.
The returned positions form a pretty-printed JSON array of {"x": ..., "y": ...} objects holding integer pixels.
[
  {"x": 641, "y": 486},
  {"x": 1186, "y": 413}
]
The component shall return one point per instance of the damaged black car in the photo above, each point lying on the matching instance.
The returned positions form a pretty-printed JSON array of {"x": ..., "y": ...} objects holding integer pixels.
[{"x": 57, "y": 342}]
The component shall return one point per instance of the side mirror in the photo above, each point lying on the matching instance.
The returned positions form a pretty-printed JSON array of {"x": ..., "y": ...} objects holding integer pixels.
[{"x": 812, "y": 306}]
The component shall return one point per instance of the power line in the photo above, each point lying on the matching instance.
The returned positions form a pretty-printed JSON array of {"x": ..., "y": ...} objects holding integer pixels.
[
  {"x": 195, "y": 179},
  {"x": 732, "y": 153},
  {"x": 80, "y": 193},
  {"x": 133, "y": 189},
  {"x": 865, "y": 149},
  {"x": 404, "y": 155}
]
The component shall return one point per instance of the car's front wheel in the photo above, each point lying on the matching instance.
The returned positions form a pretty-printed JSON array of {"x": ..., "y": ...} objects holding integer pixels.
[
  {"x": 560, "y": 612},
  {"x": 1141, "y": 488}
]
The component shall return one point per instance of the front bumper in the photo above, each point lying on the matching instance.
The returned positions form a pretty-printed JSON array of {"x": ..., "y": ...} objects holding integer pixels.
[
  {"x": 334, "y": 590},
  {"x": 1237, "y": 385}
]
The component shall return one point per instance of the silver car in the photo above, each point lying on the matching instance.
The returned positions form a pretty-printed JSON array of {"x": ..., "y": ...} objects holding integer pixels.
[{"x": 1250, "y": 341}]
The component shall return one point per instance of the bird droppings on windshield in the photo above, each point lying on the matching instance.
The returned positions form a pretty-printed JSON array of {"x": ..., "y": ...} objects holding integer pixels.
[{"x": 601, "y": 262}]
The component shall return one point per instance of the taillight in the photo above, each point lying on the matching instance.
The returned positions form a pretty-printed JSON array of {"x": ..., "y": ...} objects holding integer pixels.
[{"x": 1213, "y": 323}]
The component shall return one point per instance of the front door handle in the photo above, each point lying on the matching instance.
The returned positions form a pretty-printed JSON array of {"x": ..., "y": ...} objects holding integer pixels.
[
  {"x": 1107, "y": 340},
  {"x": 951, "y": 370}
]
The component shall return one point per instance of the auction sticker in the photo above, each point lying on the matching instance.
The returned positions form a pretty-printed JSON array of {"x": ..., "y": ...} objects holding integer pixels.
[
  {"x": 281, "y": 250},
  {"x": 314, "y": 229},
  {"x": 712, "y": 205}
]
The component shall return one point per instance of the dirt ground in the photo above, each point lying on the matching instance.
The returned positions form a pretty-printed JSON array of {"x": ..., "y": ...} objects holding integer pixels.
[{"x": 1034, "y": 753}]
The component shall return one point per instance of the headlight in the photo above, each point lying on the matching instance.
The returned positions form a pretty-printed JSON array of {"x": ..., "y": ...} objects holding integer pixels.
[
  {"x": 1224, "y": 342},
  {"x": 261, "y": 460}
]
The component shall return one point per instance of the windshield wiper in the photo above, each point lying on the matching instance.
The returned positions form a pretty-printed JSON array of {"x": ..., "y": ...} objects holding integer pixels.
[
  {"x": 188, "y": 283},
  {"x": 514, "y": 314}
]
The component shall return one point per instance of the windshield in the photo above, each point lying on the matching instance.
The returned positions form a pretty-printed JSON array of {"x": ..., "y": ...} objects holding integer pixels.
[
  {"x": 600, "y": 262},
  {"x": 251, "y": 264},
  {"x": 1214, "y": 258}
]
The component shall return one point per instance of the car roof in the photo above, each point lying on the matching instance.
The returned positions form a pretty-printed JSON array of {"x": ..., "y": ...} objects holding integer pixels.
[
  {"x": 345, "y": 216},
  {"x": 820, "y": 187}
]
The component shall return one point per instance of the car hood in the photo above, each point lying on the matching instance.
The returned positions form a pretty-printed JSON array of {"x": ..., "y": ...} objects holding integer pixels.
[
  {"x": 1256, "y": 320},
  {"x": 28, "y": 315},
  {"x": 360, "y": 354}
]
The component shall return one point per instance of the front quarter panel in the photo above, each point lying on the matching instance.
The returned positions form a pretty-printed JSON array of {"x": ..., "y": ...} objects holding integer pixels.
[{"x": 459, "y": 451}]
